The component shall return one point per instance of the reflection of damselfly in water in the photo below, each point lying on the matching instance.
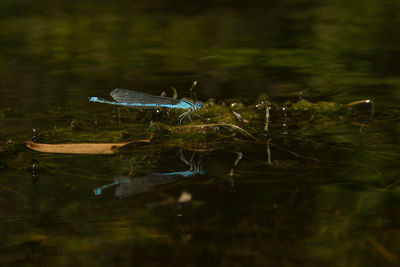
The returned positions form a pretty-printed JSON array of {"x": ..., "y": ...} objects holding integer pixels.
[{"x": 128, "y": 187}]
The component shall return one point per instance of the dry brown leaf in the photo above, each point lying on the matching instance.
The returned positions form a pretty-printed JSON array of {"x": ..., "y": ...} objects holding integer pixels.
[{"x": 83, "y": 148}]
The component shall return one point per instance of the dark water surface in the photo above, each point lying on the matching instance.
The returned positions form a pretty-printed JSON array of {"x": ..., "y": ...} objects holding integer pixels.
[{"x": 314, "y": 192}]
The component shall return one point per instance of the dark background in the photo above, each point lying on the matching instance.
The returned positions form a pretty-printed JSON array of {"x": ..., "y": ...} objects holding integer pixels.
[{"x": 56, "y": 53}]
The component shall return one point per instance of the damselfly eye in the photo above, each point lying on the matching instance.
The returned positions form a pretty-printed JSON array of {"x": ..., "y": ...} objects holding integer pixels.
[{"x": 199, "y": 105}]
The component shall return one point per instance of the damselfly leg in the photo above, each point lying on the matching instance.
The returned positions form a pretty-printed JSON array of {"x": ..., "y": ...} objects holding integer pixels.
[{"x": 182, "y": 116}]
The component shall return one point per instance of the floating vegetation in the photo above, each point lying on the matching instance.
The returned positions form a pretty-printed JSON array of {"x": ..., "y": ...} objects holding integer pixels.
[
  {"x": 220, "y": 123},
  {"x": 223, "y": 125}
]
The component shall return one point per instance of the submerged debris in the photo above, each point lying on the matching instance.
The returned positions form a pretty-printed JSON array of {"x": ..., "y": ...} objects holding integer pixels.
[{"x": 184, "y": 197}]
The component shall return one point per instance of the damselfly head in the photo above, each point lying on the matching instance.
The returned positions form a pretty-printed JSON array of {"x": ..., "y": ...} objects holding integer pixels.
[{"x": 199, "y": 105}]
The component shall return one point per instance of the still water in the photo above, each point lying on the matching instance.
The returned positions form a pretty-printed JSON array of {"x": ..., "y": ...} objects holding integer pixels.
[{"x": 313, "y": 189}]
